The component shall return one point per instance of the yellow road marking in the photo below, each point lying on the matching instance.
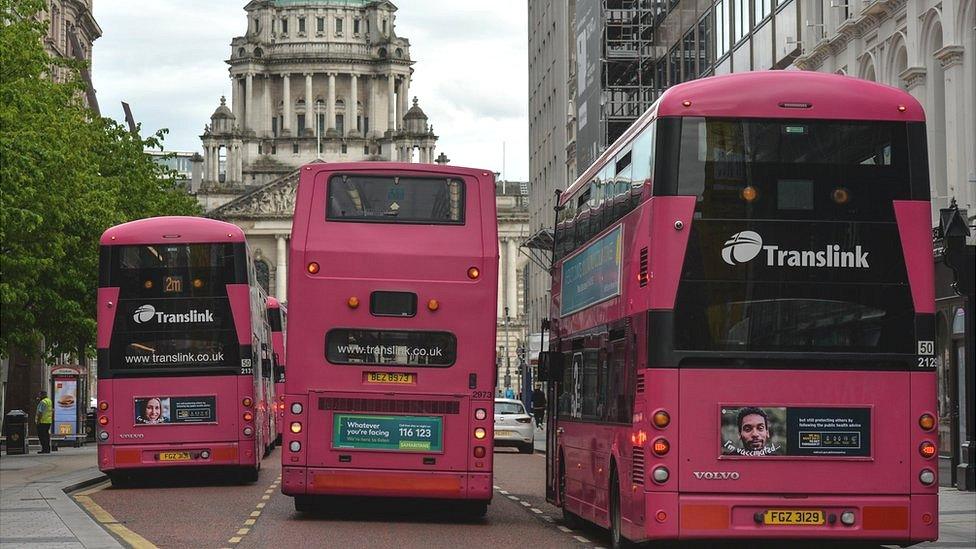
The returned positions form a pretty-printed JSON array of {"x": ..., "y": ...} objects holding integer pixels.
[
  {"x": 109, "y": 522},
  {"x": 260, "y": 505},
  {"x": 243, "y": 531},
  {"x": 249, "y": 522},
  {"x": 96, "y": 488},
  {"x": 266, "y": 497},
  {"x": 255, "y": 513},
  {"x": 235, "y": 539}
]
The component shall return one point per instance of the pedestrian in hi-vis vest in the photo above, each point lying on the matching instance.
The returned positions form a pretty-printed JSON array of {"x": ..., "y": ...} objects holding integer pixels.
[{"x": 44, "y": 418}]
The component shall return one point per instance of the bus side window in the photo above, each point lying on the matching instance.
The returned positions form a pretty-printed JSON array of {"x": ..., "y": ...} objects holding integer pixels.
[{"x": 642, "y": 162}]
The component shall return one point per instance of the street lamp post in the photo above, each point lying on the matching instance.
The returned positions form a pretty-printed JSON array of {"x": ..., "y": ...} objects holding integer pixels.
[{"x": 508, "y": 359}]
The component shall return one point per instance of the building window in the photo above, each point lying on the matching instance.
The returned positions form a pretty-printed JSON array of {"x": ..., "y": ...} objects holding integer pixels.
[
  {"x": 260, "y": 149},
  {"x": 301, "y": 25},
  {"x": 344, "y": 149},
  {"x": 704, "y": 36},
  {"x": 365, "y": 124},
  {"x": 284, "y": 25},
  {"x": 340, "y": 124},
  {"x": 355, "y": 27},
  {"x": 366, "y": 150},
  {"x": 257, "y": 25},
  {"x": 294, "y": 148},
  {"x": 321, "y": 119},
  {"x": 274, "y": 148},
  {"x": 384, "y": 26},
  {"x": 338, "y": 26},
  {"x": 274, "y": 126},
  {"x": 674, "y": 67},
  {"x": 320, "y": 24},
  {"x": 301, "y": 123},
  {"x": 721, "y": 28},
  {"x": 688, "y": 55},
  {"x": 740, "y": 20},
  {"x": 763, "y": 9}
]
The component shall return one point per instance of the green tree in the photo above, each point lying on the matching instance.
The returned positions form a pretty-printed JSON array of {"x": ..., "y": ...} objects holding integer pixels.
[{"x": 65, "y": 176}]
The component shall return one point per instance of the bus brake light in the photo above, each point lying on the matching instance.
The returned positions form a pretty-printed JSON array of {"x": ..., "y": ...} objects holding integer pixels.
[
  {"x": 927, "y": 449},
  {"x": 248, "y": 416},
  {"x": 103, "y": 420}
]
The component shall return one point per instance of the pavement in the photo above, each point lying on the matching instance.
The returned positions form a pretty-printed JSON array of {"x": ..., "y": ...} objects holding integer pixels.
[{"x": 35, "y": 509}]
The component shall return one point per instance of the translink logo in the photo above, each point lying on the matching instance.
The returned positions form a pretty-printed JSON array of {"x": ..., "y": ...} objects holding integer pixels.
[
  {"x": 744, "y": 246},
  {"x": 146, "y": 313}
]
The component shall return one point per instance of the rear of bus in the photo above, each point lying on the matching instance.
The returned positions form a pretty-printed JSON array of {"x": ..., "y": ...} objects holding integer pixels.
[
  {"x": 392, "y": 298},
  {"x": 176, "y": 382},
  {"x": 790, "y": 330},
  {"x": 277, "y": 319}
]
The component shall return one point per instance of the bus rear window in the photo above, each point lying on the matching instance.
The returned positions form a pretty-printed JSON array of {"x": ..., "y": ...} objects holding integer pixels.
[
  {"x": 392, "y": 199},
  {"x": 174, "y": 270},
  {"x": 391, "y": 347}
]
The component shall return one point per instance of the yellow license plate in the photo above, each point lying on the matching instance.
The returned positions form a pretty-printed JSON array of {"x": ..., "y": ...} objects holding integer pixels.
[
  {"x": 389, "y": 377},
  {"x": 504, "y": 433},
  {"x": 793, "y": 517},
  {"x": 174, "y": 456}
]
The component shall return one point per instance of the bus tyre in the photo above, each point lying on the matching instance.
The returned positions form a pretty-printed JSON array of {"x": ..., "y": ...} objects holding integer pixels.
[
  {"x": 617, "y": 539},
  {"x": 570, "y": 519},
  {"x": 303, "y": 504},
  {"x": 249, "y": 475},
  {"x": 120, "y": 479},
  {"x": 476, "y": 509},
  {"x": 526, "y": 448}
]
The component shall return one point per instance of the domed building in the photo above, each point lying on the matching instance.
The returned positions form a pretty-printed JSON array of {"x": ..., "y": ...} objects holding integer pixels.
[{"x": 311, "y": 80}]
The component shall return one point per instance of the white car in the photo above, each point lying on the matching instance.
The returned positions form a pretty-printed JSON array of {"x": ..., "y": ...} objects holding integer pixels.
[{"x": 513, "y": 427}]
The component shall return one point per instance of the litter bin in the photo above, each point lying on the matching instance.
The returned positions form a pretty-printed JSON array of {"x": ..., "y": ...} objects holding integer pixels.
[{"x": 15, "y": 430}]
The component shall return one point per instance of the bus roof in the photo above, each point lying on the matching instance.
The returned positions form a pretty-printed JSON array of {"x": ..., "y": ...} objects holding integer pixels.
[
  {"x": 394, "y": 167},
  {"x": 762, "y": 94},
  {"x": 175, "y": 229}
]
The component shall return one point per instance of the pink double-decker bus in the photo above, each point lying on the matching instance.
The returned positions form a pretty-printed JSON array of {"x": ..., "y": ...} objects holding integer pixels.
[
  {"x": 184, "y": 349},
  {"x": 278, "y": 321},
  {"x": 391, "y": 348},
  {"x": 742, "y": 319}
]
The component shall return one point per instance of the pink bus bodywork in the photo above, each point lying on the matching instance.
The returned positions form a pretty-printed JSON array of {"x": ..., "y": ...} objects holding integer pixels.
[
  {"x": 339, "y": 267},
  {"x": 277, "y": 318},
  {"x": 706, "y": 492},
  {"x": 165, "y": 334}
]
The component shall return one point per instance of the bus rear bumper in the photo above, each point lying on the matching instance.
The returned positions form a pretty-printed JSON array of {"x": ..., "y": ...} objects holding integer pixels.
[
  {"x": 114, "y": 457},
  {"x": 300, "y": 481},
  {"x": 898, "y": 519}
]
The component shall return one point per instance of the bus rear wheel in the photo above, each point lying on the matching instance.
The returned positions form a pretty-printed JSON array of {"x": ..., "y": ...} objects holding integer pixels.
[
  {"x": 617, "y": 539},
  {"x": 304, "y": 504},
  {"x": 249, "y": 475}
]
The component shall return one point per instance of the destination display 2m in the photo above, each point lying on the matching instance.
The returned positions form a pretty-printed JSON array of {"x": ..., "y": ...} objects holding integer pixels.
[
  {"x": 396, "y": 433},
  {"x": 593, "y": 274}
]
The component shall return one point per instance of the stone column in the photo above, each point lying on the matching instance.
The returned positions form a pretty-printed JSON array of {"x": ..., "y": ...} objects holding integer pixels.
[
  {"x": 266, "y": 106},
  {"x": 511, "y": 278},
  {"x": 281, "y": 272},
  {"x": 309, "y": 101},
  {"x": 951, "y": 58},
  {"x": 286, "y": 100},
  {"x": 330, "y": 113},
  {"x": 391, "y": 94},
  {"x": 352, "y": 107},
  {"x": 501, "y": 280},
  {"x": 235, "y": 100},
  {"x": 370, "y": 104},
  {"x": 248, "y": 122}
]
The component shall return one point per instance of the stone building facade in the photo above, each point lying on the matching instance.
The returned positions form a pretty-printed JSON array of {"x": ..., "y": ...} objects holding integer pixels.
[
  {"x": 512, "y": 205},
  {"x": 311, "y": 80}
]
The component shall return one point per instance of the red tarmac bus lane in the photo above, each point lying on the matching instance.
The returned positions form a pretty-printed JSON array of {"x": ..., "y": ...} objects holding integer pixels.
[{"x": 201, "y": 509}]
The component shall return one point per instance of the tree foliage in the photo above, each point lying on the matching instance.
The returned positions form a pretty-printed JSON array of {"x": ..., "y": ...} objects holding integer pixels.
[{"x": 66, "y": 175}]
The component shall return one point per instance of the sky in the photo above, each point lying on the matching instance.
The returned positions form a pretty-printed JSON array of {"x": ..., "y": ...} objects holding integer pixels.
[{"x": 166, "y": 59}]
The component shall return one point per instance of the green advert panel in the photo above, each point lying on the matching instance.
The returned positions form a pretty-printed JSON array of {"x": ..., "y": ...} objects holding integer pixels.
[{"x": 399, "y": 433}]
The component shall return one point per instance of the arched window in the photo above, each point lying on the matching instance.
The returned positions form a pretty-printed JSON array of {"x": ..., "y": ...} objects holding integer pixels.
[
  {"x": 263, "y": 274},
  {"x": 258, "y": 52},
  {"x": 241, "y": 52}
]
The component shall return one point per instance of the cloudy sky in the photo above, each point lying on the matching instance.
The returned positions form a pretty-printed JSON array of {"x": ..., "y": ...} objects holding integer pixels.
[{"x": 166, "y": 59}]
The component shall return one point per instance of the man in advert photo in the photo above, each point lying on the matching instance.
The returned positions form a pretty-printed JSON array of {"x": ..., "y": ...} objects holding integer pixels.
[{"x": 755, "y": 430}]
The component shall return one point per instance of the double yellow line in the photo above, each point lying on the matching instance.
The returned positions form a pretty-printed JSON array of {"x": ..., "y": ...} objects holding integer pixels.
[{"x": 107, "y": 521}]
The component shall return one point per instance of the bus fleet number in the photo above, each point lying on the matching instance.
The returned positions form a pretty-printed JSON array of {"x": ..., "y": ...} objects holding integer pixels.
[{"x": 926, "y": 362}]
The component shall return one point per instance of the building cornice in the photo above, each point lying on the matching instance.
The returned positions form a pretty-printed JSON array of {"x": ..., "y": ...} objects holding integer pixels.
[
  {"x": 913, "y": 77},
  {"x": 950, "y": 56}
]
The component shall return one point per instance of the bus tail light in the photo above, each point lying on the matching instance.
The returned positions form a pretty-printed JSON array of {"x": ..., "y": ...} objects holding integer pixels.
[
  {"x": 103, "y": 405},
  {"x": 103, "y": 420},
  {"x": 248, "y": 416},
  {"x": 660, "y": 475},
  {"x": 479, "y": 451},
  {"x": 927, "y": 449},
  {"x": 296, "y": 427},
  {"x": 661, "y": 447},
  {"x": 248, "y": 431},
  {"x": 926, "y": 477},
  {"x": 296, "y": 408},
  {"x": 480, "y": 413},
  {"x": 295, "y": 446},
  {"x": 474, "y": 273},
  {"x": 247, "y": 402},
  {"x": 661, "y": 419},
  {"x": 926, "y": 422},
  {"x": 480, "y": 433}
]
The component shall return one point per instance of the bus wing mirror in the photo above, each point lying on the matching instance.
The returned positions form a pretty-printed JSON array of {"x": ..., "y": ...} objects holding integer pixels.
[{"x": 550, "y": 366}]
